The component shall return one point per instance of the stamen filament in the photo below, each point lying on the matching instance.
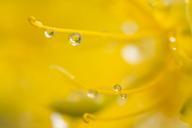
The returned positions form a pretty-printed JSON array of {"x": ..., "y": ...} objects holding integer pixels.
[
  {"x": 87, "y": 117},
  {"x": 119, "y": 36},
  {"x": 78, "y": 84}
]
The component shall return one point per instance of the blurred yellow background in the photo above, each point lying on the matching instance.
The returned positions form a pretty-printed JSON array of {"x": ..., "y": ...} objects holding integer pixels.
[{"x": 33, "y": 94}]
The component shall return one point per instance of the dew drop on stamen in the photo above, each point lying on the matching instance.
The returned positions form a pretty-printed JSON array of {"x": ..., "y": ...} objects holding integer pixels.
[
  {"x": 92, "y": 94},
  {"x": 117, "y": 88},
  {"x": 75, "y": 39},
  {"x": 49, "y": 33},
  {"x": 123, "y": 96},
  {"x": 122, "y": 99}
]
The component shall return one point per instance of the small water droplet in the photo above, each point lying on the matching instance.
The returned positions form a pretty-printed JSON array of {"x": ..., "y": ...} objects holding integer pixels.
[
  {"x": 123, "y": 96},
  {"x": 117, "y": 88},
  {"x": 49, "y": 33},
  {"x": 92, "y": 93},
  {"x": 75, "y": 39},
  {"x": 122, "y": 99}
]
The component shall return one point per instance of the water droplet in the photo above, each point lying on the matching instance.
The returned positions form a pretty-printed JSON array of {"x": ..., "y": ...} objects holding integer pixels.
[
  {"x": 122, "y": 99},
  {"x": 49, "y": 33},
  {"x": 92, "y": 93},
  {"x": 117, "y": 88},
  {"x": 123, "y": 96},
  {"x": 75, "y": 39}
]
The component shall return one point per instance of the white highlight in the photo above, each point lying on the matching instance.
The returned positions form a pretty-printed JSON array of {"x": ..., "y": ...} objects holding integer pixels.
[
  {"x": 58, "y": 121},
  {"x": 167, "y": 2},
  {"x": 129, "y": 27},
  {"x": 172, "y": 39},
  {"x": 63, "y": 71},
  {"x": 131, "y": 54}
]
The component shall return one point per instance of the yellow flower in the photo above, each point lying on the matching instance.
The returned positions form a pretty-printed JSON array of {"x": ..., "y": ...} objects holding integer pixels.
[{"x": 111, "y": 63}]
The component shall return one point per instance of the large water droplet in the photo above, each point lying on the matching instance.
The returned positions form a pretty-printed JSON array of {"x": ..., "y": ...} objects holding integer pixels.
[
  {"x": 75, "y": 39},
  {"x": 92, "y": 93},
  {"x": 49, "y": 33},
  {"x": 117, "y": 88}
]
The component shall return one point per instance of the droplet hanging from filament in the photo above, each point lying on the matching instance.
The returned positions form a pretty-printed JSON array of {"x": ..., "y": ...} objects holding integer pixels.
[
  {"x": 49, "y": 33},
  {"x": 123, "y": 96},
  {"x": 92, "y": 94},
  {"x": 117, "y": 88},
  {"x": 75, "y": 39}
]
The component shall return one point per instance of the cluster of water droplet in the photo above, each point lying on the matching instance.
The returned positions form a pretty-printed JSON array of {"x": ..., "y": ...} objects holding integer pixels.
[
  {"x": 117, "y": 89},
  {"x": 93, "y": 94},
  {"x": 74, "y": 38}
]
